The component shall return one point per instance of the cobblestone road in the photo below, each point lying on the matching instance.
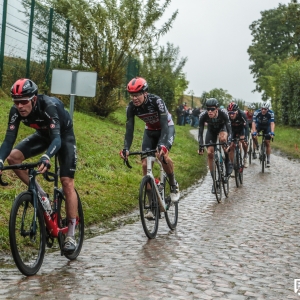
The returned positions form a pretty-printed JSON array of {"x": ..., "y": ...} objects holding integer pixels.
[{"x": 246, "y": 247}]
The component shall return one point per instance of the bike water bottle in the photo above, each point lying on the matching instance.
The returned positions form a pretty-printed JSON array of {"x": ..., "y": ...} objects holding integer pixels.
[
  {"x": 157, "y": 182},
  {"x": 47, "y": 205}
]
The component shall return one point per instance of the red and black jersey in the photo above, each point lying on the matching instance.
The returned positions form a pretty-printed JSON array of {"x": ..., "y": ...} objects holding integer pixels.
[
  {"x": 154, "y": 113},
  {"x": 48, "y": 117}
]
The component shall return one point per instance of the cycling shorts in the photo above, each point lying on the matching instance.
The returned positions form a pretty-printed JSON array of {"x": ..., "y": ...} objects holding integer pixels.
[
  {"x": 265, "y": 130},
  {"x": 238, "y": 131},
  {"x": 151, "y": 139},
  {"x": 36, "y": 144},
  {"x": 212, "y": 135}
]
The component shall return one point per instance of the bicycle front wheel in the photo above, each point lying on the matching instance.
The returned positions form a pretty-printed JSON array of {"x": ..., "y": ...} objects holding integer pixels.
[
  {"x": 79, "y": 228},
  {"x": 217, "y": 180},
  {"x": 225, "y": 181},
  {"x": 27, "y": 238},
  {"x": 171, "y": 213},
  {"x": 236, "y": 166},
  {"x": 149, "y": 208},
  {"x": 250, "y": 150},
  {"x": 263, "y": 157},
  {"x": 241, "y": 168}
]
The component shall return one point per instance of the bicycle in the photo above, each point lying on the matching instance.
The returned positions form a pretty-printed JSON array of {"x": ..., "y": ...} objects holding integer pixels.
[
  {"x": 154, "y": 197},
  {"x": 238, "y": 164},
  {"x": 219, "y": 172},
  {"x": 31, "y": 226},
  {"x": 263, "y": 152}
]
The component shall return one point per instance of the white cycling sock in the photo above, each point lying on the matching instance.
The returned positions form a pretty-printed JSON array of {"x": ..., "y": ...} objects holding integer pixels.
[{"x": 71, "y": 227}]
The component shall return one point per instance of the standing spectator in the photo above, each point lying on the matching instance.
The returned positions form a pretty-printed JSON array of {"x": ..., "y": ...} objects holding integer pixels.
[{"x": 195, "y": 117}]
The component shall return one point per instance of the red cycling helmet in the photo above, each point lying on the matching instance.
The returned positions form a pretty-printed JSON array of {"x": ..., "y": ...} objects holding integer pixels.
[
  {"x": 23, "y": 88},
  {"x": 137, "y": 84},
  {"x": 232, "y": 106}
]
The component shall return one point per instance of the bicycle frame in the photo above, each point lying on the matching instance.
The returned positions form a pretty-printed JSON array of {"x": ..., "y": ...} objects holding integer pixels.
[{"x": 150, "y": 161}]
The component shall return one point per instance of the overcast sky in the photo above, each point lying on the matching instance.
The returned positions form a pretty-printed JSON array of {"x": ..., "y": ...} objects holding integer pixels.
[{"x": 215, "y": 36}]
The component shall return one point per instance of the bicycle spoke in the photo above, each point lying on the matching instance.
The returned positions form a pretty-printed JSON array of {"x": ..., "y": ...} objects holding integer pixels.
[{"x": 27, "y": 243}]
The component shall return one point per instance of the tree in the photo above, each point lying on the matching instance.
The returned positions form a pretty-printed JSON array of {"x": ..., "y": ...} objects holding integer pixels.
[
  {"x": 163, "y": 71},
  {"x": 275, "y": 38},
  {"x": 107, "y": 34},
  {"x": 223, "y": 97}
]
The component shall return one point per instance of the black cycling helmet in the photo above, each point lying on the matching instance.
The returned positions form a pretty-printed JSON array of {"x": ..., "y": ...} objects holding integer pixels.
[
  {"x": 212, "y": 102},
  {"x": 23, "y": 88}
]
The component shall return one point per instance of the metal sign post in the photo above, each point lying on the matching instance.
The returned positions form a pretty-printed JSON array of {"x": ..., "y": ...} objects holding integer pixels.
[{"x": 73, "y": 83}]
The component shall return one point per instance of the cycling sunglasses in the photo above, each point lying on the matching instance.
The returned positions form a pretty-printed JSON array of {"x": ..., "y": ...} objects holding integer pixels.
[
  {"x": 232, "y": 112},
  {"x": 135, "y": 95},
  {"x": 22, "y": 101},
  {"x": 211, "y": 108}
]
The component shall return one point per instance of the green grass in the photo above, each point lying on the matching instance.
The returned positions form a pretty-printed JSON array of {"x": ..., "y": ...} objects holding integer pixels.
[
  {"x": 106, "y": 186},
  {"x": 287, "y": 140}
]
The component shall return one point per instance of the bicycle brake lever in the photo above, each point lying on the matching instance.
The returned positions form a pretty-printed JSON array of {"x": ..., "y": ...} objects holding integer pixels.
[
  {"x": 126, "y": 162},
  {"x": 2, "y": 182}
]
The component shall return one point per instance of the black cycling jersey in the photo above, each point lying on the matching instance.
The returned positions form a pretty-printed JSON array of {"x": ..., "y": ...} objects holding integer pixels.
[
  {"x": 48, "y": 117},
  {"x": 240, "y": 123},
  {"x": 214, "y": 125},
  {"x": 156, "y": 116}
]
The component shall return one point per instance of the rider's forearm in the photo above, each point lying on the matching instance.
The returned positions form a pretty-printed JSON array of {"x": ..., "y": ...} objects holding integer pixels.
[{"x": 272, "y": 126}]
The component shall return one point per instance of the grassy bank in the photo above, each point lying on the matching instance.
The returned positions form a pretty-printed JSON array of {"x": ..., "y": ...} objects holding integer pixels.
[
  {"x": 287, "y": 140},
  {"x": 107, "y": 187}
]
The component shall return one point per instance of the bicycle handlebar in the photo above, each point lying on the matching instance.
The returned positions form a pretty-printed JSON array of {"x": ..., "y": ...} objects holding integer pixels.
[
  {"x": 26, "y": 166},
  {"x": 146, "y": 152}
]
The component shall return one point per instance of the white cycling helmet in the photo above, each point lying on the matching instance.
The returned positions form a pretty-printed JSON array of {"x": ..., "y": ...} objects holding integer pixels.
[
  {"x": 265, "y": 105},
  {"x": 251, "y": 106}
]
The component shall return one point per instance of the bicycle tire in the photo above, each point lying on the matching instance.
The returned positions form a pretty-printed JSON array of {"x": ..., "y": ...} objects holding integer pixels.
[
  {"x": 250, "y": 151},
  {"x": 263, "y": 157},
  {"x": 150, "y": 225},
  {"x": 217, "y": 179},
  {"x": 225, "y": 184},
  {"x": 223, "y": 174},
  {"x": 241, "y": 168},
  {"x": 79, "y": 229},
  {"x": 27, "y": 248},
  {"x": 171, "y": 213},
  {"x": 236, "y": 167}
]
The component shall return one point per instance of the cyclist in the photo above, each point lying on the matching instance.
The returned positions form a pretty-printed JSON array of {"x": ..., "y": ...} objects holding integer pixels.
[
  {"x": 249, "y": 115},
  {"x": 264, "y": 120},
  {"x": 159, "y": 128},
  {"x": 218, "y": 123},
  {"x": 54, "y": 134},
  {"x": 239, "y": 126}
]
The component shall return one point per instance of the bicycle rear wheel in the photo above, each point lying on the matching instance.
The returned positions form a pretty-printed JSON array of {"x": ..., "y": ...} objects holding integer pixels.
[
  {"x": 217, "y": 179},
  {"x": 149, "y": 208},
  {"x": 171, "y": 213},
  {"x": 63, "y": 222},
  {"x": 27, "y": 245}
]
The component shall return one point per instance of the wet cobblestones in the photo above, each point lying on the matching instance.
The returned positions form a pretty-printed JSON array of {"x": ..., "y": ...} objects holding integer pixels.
[{"x": 246, "y": 247}]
